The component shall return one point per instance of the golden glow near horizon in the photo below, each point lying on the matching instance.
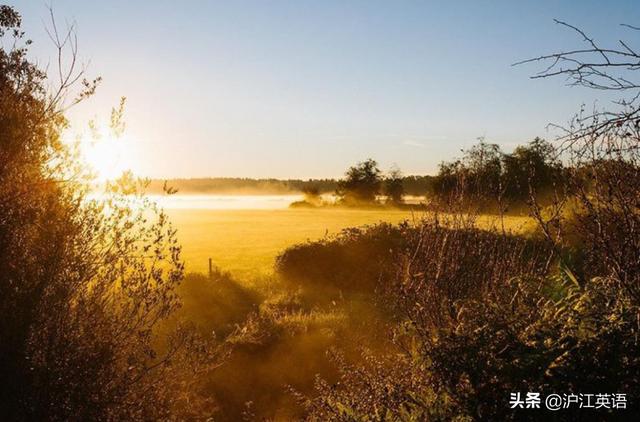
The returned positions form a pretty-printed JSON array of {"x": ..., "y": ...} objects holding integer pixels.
[{"x": 107, "y": 154}]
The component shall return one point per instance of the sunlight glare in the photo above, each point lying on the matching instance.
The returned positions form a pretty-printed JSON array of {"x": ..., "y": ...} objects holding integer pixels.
[{"x": 107, "y": 155}]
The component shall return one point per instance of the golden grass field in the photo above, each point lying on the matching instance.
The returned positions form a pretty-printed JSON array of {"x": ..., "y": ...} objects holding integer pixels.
[{"x": 246, "y": 242}]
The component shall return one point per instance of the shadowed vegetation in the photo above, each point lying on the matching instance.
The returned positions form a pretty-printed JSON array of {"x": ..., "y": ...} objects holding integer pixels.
[{"x": 328, "y": 314}]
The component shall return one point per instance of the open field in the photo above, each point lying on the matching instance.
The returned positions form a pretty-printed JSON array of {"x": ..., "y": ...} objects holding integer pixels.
[{"x": 246, "y": 242}]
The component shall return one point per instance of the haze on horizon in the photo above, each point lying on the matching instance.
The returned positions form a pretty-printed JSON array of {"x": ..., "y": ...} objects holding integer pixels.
[{"x": 305, "y": 89}]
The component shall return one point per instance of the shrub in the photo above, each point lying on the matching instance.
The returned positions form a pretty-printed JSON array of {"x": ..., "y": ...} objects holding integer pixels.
[{"x": 353, "y": 261}]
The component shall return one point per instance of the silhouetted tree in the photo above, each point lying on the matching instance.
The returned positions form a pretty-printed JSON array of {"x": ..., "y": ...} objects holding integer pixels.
[
  {"x": 485, "y": 175},
  {"x": 394, "y": 186},
  {"x": 418, "y": 185},
  {"x": 361, "y": 184},
  {"x": 534, "y": 165},
  {"x": 312, "y": 194},
  {"x": 474, "y": 180},
  {"x": 484, "y": 164}
]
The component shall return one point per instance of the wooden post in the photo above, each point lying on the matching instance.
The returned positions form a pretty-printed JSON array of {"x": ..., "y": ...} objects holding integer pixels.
[{"x": 210, "y": 268}]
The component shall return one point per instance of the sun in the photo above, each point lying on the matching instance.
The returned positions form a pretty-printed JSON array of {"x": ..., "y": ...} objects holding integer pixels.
[{"x": 107, "y": 155}]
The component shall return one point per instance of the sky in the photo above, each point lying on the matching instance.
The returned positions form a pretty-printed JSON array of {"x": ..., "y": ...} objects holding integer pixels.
[{"x": 303, "y": 89}]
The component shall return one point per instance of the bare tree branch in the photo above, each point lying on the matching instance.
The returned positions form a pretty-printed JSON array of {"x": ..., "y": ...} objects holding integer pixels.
[{"x": 594, "y": 67}]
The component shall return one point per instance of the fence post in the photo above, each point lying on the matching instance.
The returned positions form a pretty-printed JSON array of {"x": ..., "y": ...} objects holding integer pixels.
[{"x": 210, "y": 268}]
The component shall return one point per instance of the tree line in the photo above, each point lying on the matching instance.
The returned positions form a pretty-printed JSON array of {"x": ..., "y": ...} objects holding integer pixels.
[
  {"x": 484, "y": 176},
  {"x": 487, "y": 176},
  {"x": 413, "y": 185}
]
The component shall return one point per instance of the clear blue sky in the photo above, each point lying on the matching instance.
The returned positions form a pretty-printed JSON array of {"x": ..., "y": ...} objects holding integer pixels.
[{"x": 306, "y": 88}]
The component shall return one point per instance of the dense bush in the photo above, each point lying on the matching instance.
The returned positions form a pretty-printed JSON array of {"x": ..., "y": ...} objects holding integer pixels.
[
  {"x": 544, "y": 335},
  {"x": 84, "y": 284},
  {"x": 353, "y": 261},
  {"x": 522, "y": 338},
  {"x": 480, "y": 316}
]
